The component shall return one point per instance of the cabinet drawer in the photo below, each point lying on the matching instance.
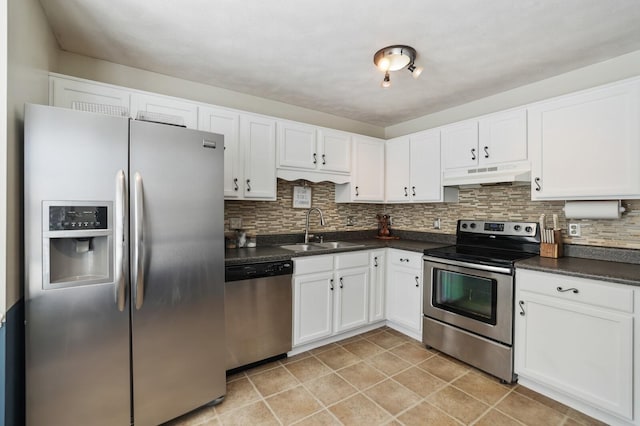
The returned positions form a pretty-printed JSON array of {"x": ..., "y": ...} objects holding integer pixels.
[
  {"x": 583, "y": 290},
  {"x": 352, "y": 260},
  {"x": 406, "y": 258},
  {"x": 312, "y": 264}
]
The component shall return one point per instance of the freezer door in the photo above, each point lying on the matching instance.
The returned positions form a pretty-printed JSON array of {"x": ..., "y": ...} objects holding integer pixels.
[
  {"x": 77, "y": 326},
  {"x": 177, "y": 270}
]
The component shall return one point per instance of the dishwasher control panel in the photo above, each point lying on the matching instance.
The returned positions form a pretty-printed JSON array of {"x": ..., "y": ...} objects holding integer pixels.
[{"x": 257, "y": 270}]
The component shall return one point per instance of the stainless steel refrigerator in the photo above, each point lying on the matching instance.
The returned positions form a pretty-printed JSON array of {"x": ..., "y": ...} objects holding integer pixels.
[{"x": 124, "y": 265}]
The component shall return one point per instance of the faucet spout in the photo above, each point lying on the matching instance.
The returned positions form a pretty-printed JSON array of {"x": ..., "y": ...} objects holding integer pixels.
[{"x": 306, "y": 228}]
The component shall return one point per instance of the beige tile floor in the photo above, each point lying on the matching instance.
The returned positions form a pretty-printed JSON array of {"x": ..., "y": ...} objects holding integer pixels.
[{"x": 377, "y": 378}]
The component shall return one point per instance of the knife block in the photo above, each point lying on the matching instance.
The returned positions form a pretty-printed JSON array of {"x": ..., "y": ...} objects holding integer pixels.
[{"x": 552, "y": 250}]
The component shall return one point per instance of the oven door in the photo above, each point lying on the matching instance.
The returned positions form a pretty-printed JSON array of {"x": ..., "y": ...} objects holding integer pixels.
[{"x": 476, "y": 298}]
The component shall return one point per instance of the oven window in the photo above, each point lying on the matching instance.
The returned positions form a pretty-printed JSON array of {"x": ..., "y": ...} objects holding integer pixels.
[{"x": 467, "y": 295}]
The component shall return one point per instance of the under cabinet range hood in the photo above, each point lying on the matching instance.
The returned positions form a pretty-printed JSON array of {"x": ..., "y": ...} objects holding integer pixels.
[{"x": 514, "y": 174}]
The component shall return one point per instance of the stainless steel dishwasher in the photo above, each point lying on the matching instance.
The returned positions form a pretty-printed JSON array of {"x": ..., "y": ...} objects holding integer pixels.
[{"x": 258, "y": 305}]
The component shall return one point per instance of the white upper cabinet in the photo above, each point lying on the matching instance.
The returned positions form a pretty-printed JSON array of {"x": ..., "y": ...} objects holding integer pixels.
[
  {"x": 258, "y": 144},
  {"x": 587, "y": 145},
  {"x": 303, "y": 149},
  {"x": 460, "y": 144},
  {"x": 297, "y": 146},
  {"x": 334, "y": 150},
  {"x": 68, "y": 93},
  {"x": 227, "y": 123},
  {"x": 503, "y": 137},
  {"x": 487, "y": 141},
  {"x": 188, "y": 111},
  {"x": 367, "y": 173},
  {"x": 413, "y": 172}
]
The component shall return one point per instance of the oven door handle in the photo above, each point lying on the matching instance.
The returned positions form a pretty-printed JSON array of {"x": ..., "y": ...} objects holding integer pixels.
[{"x": 470, "y": 265}]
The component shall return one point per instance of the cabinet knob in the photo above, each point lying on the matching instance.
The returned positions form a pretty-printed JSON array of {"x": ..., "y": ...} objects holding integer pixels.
[
  {"x": 538, "y": 187},
  {"x": 486, "y": 152},
  {"x": 473, "y": 153}
]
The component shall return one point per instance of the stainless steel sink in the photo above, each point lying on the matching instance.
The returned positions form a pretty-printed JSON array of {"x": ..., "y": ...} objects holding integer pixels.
[
  {"x": 300, "y": 247},
  {"x": 337, "y": 244}
]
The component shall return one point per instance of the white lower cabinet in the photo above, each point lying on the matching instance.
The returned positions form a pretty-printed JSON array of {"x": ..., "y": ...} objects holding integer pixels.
[
  {"x": 331, "y": 295},
  {"x": 404, "y": 291},
  {"x": 574, "y": 340},
  {"x": 377, "y": 285}
]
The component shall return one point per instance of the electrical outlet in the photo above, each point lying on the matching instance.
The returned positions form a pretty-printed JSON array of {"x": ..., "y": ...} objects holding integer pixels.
[
  {"x": 351, "y": 220},
  {"x": 574, "y": 229},
  {"x": 436, "y": 223}
]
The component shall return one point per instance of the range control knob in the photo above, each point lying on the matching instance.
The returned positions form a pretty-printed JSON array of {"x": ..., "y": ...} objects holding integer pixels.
[
  {"x": 473, "y": 225},
  {"x": 528, "y": 229},
  {"x": 464, "y": 226},
  {"x": 517, "y": 227}
]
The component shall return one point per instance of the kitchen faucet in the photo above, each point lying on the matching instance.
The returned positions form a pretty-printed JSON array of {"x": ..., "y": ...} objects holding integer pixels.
[{"x": 306, "y": 228}]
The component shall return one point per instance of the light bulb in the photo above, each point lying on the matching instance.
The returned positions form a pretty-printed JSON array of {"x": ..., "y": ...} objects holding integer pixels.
[
  {"x": 386, "y": 82},
  {"x": 384, "y": 64},
  {"x": 416, "y": 72}
]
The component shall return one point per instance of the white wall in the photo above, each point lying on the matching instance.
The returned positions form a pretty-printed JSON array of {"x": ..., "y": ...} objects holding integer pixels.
[
  {"x": 32, "y": 53},
  {"x": 614, "y": 69},
  {"x": 135, "y": 78}
]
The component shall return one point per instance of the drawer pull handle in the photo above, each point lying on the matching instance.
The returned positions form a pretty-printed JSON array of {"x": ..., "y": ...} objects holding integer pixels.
[
  {"x": 521, "y": 304},
  {"x": 563, "y": 290},
  {"x": 404, "y": 260}
]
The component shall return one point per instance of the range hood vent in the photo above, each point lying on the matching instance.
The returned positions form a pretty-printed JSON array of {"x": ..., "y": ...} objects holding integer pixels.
[{"x": 509, "y": 174}]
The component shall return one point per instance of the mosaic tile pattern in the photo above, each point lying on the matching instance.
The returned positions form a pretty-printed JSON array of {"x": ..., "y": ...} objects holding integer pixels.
[{"x": 493, "y": 202}]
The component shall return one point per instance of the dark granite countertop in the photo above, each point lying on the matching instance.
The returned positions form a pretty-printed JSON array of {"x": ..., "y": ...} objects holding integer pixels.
[
  {"x": 618, "y": 272},
  {"x": 274, "y": 252}
]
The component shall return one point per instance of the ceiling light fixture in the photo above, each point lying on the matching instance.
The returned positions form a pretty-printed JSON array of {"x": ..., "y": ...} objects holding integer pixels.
[{"x": 394, "y": 58}]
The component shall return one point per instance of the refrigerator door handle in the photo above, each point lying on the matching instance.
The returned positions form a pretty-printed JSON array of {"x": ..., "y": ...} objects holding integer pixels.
[
  {"x": 120, "y": 209},
  {"x": 138, "y": 246}
]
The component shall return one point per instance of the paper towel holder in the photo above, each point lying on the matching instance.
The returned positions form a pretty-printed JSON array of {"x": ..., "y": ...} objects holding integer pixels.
[{"x": 605, "y": 209}]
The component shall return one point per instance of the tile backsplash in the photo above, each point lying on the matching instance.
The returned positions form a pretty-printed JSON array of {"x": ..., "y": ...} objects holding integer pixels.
[{"x": 490, "y": 202}]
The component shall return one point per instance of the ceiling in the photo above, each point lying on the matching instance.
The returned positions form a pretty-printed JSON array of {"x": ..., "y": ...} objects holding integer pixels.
[{"x": 319, "y": 54}]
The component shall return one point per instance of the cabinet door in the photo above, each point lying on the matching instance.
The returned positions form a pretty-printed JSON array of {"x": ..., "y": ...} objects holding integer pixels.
[
  {"x": 352, "y": 298},
  {"x": 460, "y": 145},
  {"x": 425, "y": 166},
  {"x": 226, "y": 123},
  {"x": 65, "y": 93},
  {"x": 165, "y": 105},
  {"x": 368, "y": 170},
  {"x": 376, "y": 285},
  {"x": 397, "y": 170},
  {"x": 503, "y": 137},
  {"x": 404, "y": 297},
  {"x": 334, "y": 150},
  {"x": 585, "y": 145},
  {"x": 577, "y": 349},
  {"x": 312, "y": 307},
  {"x": 258, "y": 145},
  {"x": 297, "y": 146}
]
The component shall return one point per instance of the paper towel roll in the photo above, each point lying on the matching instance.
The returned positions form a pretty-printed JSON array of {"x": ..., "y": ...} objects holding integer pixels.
[{"x": 610, "y": 209}]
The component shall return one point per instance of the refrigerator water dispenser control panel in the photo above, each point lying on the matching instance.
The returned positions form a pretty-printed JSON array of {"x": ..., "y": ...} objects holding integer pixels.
[{"x": 71, "y": 218}]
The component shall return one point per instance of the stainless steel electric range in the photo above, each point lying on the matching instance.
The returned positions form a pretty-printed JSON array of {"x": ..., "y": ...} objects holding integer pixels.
[{"x": 468, "y": 300}]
